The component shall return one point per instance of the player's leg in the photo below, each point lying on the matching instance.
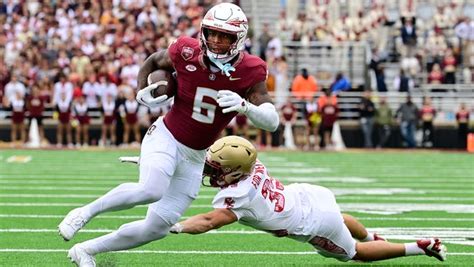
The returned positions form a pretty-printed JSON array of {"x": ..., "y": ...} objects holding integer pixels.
[
  {"x": 358, "y": 230},
  {"x": 161, "y": 215},
  {"x": 381, "y": 250},
  {"x": 157, "y": 165}
]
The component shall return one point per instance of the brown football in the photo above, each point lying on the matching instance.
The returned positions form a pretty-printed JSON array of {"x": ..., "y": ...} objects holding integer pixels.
[{"x": 161, "y": 75}]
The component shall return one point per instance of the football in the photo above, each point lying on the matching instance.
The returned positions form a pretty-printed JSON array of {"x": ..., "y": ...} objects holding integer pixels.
[{"x": 161, "y": 75}]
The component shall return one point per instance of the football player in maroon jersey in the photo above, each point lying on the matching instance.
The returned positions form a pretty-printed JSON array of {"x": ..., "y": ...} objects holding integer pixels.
[{"x": 216, "y": 81}]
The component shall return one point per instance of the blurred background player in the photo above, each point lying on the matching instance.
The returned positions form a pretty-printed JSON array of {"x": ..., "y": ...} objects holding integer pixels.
[
  {"x": 131, "y": 126},
  {"x": 36, "y": 105},
  {"x": 18, "y": 107},
  {"x": 303, "y": 212},
  {"x": 63, "y": 107},
  {"x": 108, "y": 123},
  {"x": 80, "y": 112},
  {"x": 174, "y": 148}
]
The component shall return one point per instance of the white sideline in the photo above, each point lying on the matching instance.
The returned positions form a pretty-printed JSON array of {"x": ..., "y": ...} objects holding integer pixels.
[{"x": 195, "y": 252}]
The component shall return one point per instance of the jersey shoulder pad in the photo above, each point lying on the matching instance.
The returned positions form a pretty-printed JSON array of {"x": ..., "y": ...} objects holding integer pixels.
[{"x": 183, "y": 49}]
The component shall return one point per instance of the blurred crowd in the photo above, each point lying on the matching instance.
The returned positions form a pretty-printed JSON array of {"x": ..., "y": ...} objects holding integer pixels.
[
  {"x": 79, "y": 58},
  {"x": 77, "y": 62}
]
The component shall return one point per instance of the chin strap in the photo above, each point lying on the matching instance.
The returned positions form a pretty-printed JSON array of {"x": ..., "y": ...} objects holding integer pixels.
[{"x": 225, "y": 69}]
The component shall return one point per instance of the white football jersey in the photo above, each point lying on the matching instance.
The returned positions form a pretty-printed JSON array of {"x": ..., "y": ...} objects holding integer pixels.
[{"x": 262, "y": 202}]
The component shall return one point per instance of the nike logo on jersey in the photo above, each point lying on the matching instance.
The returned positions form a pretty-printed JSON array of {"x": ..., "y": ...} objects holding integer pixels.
[{"x": 233, "y": 79}]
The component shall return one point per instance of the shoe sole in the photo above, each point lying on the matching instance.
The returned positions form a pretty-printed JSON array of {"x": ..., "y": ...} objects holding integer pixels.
[{"x": 63, "y": 235}]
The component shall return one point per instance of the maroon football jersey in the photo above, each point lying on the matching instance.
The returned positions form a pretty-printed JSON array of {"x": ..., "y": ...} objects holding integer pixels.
[{"x": 195, "y": 119}]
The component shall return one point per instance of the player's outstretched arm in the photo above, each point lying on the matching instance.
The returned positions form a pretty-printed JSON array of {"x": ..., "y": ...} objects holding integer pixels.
[
  {"x": 259, "y": 108},
  {"x": 202, "y": 223},
  {"x": 158, "y": 60}
]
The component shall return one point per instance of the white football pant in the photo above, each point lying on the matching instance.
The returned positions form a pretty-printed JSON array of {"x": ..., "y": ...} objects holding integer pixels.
[{"x": 170, "y": 177}]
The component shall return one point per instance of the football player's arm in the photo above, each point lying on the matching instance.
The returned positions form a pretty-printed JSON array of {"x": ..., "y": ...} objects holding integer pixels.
[
  {"x": 147, "y": 94},
  {"x": 158, "y": 60},
  {"x": 261, "y": 112},
  {"x": 202, "y": 223},
  {"x": 259, "y": 108}
]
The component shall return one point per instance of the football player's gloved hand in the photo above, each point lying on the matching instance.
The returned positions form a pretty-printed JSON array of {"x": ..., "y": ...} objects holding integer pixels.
[
  {"x": 145, "y": 97},
  {"x": 231, "y": 101},
  {"x": 176, "y": 228}
]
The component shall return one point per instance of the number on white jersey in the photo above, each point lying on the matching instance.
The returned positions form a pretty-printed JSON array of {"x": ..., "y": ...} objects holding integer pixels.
[{"x": 272, "y": 189}]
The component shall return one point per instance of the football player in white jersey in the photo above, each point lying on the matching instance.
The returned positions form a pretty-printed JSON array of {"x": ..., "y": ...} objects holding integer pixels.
[{"x": 304, "y": 212}]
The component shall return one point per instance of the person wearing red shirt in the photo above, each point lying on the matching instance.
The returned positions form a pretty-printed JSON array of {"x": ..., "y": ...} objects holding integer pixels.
[
  {"x": 427, "y": 115},
  {"x": 35, "y": 106},
  {"x": 329, "y": 114},
  {"x": 80, "y": 111}
]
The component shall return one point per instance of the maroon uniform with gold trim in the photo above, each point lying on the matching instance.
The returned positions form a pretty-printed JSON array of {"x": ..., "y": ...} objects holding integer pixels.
[{"x": 195, "y": 119}]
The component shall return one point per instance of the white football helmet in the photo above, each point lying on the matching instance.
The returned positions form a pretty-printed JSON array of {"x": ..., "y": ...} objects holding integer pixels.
[
  {"x": 229, "y": 160},
  {"x": 227, "y": 18}
]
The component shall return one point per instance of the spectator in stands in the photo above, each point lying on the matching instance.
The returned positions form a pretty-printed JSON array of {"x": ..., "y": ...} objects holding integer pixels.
[
  {"x": 17, "y": 105},
  {"x": 304, "y": 86},
  {"x": 367, "y": 113},
  {"x": 263, "y": 40},
  {"x": 36, "y": 105},
  {"x": 108, "y": 123},
  {"x": 383, "y": 119},
  {"x": 449, "y": 67},
  {"x": 80, "y": 111},
  {"x": 428, "y": 113},
  {"x": 407, "y": 115},
  {"x": 341, "y": 83},
  {"x": 436, "y": 75},
  {"x": 376, "y": 64},
  {"x": 329, "y": 115},
  {"x": 403, "y": 82},
  {"x": 130, "y": 109},
  {"x": 288, "y": 120},
  {"x": 409, "y": 37},
  {"x": 462, "y": 118}
]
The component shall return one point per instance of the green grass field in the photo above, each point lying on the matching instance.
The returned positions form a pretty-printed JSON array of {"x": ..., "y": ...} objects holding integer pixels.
[{"x": 401, "y": 195}]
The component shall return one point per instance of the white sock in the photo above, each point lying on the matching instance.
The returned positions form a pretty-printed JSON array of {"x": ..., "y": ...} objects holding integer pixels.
[
  {"x": 413, "y": 249},
  {"x": 369, "y": 237}
]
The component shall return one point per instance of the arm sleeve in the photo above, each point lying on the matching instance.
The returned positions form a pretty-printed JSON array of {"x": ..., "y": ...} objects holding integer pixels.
[
  {"x": 264, "y": 116},
  {"x": 237, "y": 204}
]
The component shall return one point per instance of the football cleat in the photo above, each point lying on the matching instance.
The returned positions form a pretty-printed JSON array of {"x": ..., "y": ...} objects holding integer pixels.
[
  {"x": 433, "y": 248},
  {"x": 72, "y": 223},
  {"x": 379, "y": 238},
  {"x": 80, "y": 257}
]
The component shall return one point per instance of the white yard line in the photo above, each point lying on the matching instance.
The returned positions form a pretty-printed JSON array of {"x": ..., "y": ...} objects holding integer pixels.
[
  {"x": 9, "y": 250},
  {"x": 371, "y": 208},
  {"x": 60, "y": 216},
  {"x": 458, "y": 236}
]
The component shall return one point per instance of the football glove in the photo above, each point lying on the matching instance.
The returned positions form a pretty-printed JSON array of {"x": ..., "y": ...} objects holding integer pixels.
[
  {"x": 231, "y": 101},
  {"x": 145, "y": 96},
  {"x": 176, "y": 228}
]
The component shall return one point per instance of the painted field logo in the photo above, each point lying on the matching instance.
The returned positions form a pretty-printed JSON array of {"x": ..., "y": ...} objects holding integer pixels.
[{"x": 19, "y": 159}]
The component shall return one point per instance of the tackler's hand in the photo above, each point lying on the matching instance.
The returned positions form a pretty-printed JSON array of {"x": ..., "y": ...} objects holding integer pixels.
[
  {"x": 145, "y": 96},
  {"x": 231, "y": 101}
]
